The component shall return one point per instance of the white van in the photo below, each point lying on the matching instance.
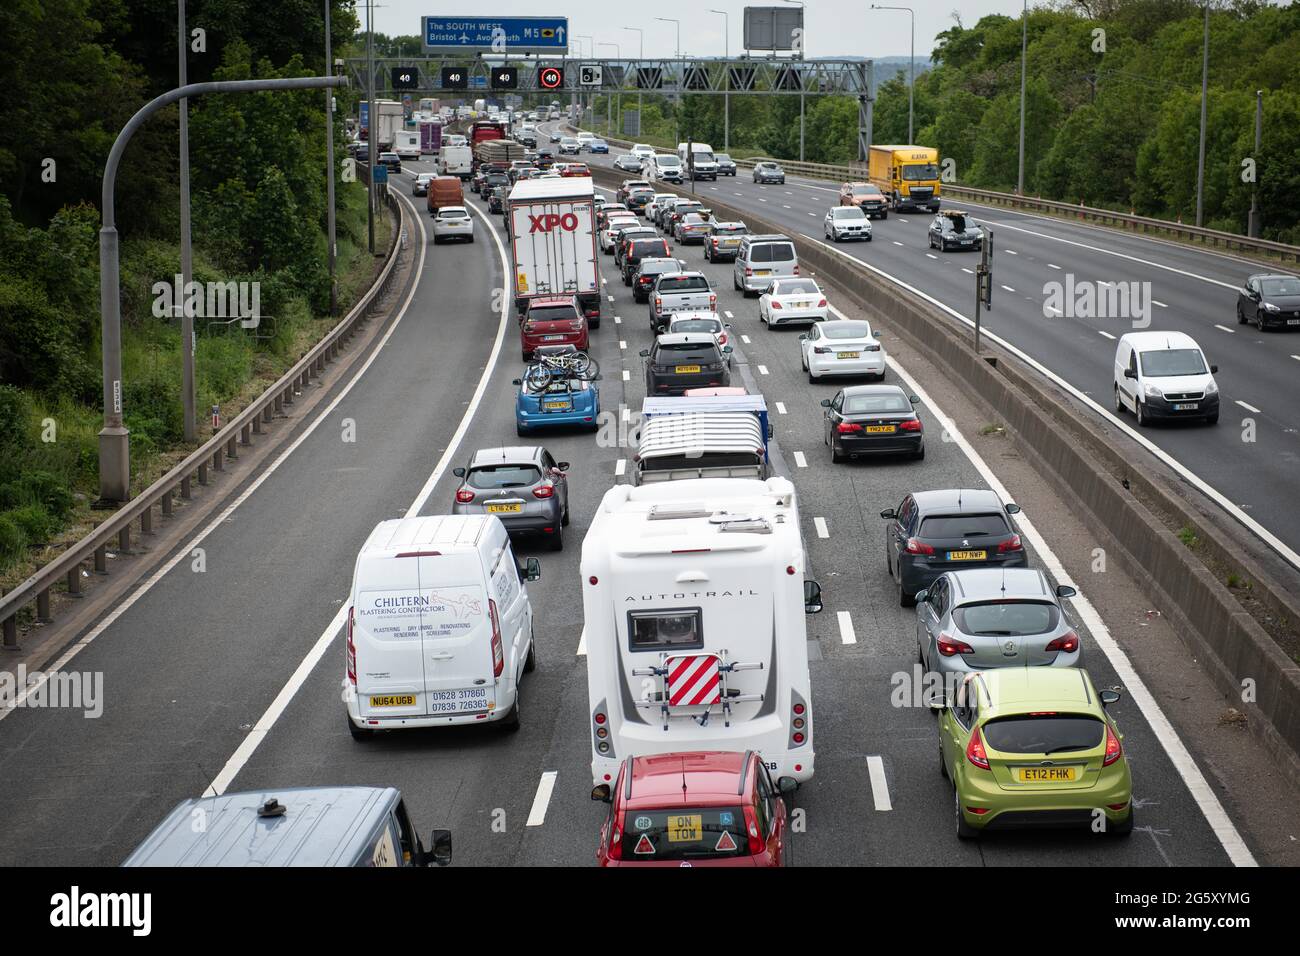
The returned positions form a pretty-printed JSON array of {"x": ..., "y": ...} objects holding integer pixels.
[
  {"x": 699, "y": 162},
  {"x": 456, "y": 161},
  {"x": 439, "y": 627},
  {"x": 1164, "y": 375}
]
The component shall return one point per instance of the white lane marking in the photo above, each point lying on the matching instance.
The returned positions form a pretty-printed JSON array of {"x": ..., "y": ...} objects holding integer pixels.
[
  {"x": 1249, "y": 408},
  {"x": 901, "y": 219},
  {"x": 740, "y": 194},
  {"x": 847, "y": 636},
  {"x": 1183, "y": 762},
  {"x": 1186, "y": 473},
  {"x": 968, "y": 271},
  {"x": 248, "y": 746},
  {"x": 582, "y": 643},
  {"x": 744, "y": 338},
  {"x": 800, "y": 460},
  {"x": 897, "y": 243},
  {"x": 1053, "y": 309},
  {"x": 1225, "y": 329},
  {"x": 780, "y": 406},
  {"x": 1106, "y": 334},
  {"x": 542, "y": 799},
  {"x": 761, "y": 199},
  {"x": 727, "y": 314},
  {"x": 1159, "y": 303},
  {"x": 762, "y": 370},
  {"x": 783, "y": 206},
  {"x": 627, "y": 376},
  {"x": 618, "y": 320},
  {"x": 1053, "y": 265},
  {"x": 822, "y": 530},
  {"x": 603, "y": 280},
  {"x": 931, "y": 255},
  {"x": 620, "y": 466},
  {"x": 622, "y": 344},
  {"x": 624, "y": 413},
  {"x": 1008, "y": 288},
  {"x": 879, "y": 786},
  {"x": 1010, "y": 252},
  {"x": 1296, "y": 357}
]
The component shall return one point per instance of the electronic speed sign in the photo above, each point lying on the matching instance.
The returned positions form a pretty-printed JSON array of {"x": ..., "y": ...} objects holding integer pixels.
[
  {"x": 505, "y": 78},
  {"x": 551, "y": 77},
  {"x": 454, "y": 78},
  {"x": 406, "y": 78}
]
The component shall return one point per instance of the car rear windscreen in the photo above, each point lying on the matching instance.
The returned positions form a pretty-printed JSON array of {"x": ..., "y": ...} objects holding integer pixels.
[
  {"x": 963, "y": 526},
  {"x": 693, "y": 353},
  {"x": 503, "y": 476},
  {"x": 846, "y": 330},
  {"x": 773, "y": 252},
  {"x": 697, "y": 325},
  {"x": 694, "y": 834},
  {"x": 675, "y": 284},
  {"x": 552, "y": 313},
  {"x": 872, "y": 404},
  {"x": 798, "y": 287},
  {"x": 1044, "y": 734},
  {"x": 644, "y": 247},
  {"x": 1007, "y": 618}
]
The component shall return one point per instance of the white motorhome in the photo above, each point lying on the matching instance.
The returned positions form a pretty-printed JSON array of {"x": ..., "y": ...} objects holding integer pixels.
[
  {"x": 407, "y": 144},
  {"x": 693, "y": 607},
  {"x": 439, "y": 628},
  {"x": 699, "y": 162}
]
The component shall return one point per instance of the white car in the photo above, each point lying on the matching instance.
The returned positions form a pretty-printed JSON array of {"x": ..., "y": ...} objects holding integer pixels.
[
  {"x": 614, "y": 224},
  {"x": 701, "y": 322},
  {"x": 453, "y": 222},
  {"x": 847, "y": 222},
  {"x": 643, "y": 151},
  {"x": 569, "y": 146},
  {"x": 584, "y": 137},
  {"x": 456, "y": 139},
  {"x": 842, "y": 347},
  {"x": 791, "y": 300}
]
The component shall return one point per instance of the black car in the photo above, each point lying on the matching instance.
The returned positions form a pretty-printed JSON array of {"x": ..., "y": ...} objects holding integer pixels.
[
  {"x": 637, "y": 199},
  {"x": 769, "y": 172},
  {"x": 624, "y": 238},
  {"x": 936, "y": 531},
  {"x": 621, "y": 194},
  {"x": 954, "y": 230},
  {"x": 685, "y": 360},
  {"x": 391, "y": 160},
  {"x": 872, "y": 420},
  {"x": 1270, "y": 301},
  {"x": 651, "y": 247},
  {"x": 497, "y": 198},
  {"x": 726, "y": 165},
  {"x": 648, "y": 270}
]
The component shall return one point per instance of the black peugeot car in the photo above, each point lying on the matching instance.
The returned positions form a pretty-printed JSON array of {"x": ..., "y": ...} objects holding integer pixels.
[
  {"x": 1270, "y": 301},
  {"x": 936, "y": 531}
]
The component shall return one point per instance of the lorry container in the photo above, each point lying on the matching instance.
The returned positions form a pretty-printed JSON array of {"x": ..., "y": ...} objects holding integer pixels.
[
  {"x": 390, "y": 118},
  {"x": 444, "y": 191},
  {"x": 907, "y": 175},
  {"x": 502, "y": 151},
  {"x": 430, "y": 136},
  {"x": 553, "y": 242}
]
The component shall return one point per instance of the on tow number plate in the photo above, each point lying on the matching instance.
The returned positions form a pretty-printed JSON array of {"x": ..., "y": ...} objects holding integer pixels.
[{"x": 685, "y": 828}]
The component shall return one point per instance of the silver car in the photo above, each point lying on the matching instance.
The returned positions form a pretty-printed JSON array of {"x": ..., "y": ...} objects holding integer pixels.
[
  {"x": 453, "y": 222},
  {"x": 523, "y": 486},
  {"x": 992, "y": 617}
]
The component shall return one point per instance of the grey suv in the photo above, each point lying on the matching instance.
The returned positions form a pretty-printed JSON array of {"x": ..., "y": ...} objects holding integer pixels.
[
  {"x": 762, "y": 258},
  {"x": 522, "y": 485}
]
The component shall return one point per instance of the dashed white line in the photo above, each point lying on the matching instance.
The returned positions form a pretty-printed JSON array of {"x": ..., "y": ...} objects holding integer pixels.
[
  {"x": 618, "y": 320},
  {"x": 620, "y": 466},
  {"x": 744, "y": 338},
  {"x": 1159, "y": 303},
  {"x": 627, "y": 375},
  {"x": 624, "y": 413},
  {"x": 727, "y": 314},
  {"x": 1010, "y": 252},
  {"x": 879, "y": 786},
  {"x": 897, "y": 243},
  {"x": 1052, "y": 308},
  {"x": 1053, "y": 265},
  {"x": 1007, "y": 288},
  {"x": 622, "y": 344},
  {"x": 762, "y": 370},
  {"x": 901, "y": 219},
  {"x": 812, "y": 214},
  {"x": 1249, "y": 408},
  {"x": 784, "y": 206},
  {"x": 822, "y": 530},
  {"x": 1225, "y": 328},
  {"x": 611, "y": 298},
  {"x": 1103, "y": 332},
  {"x": 1296, "y": 357},
  {"x": 931, "y": 255},
  {"x": 846, "y": 628},
  {"x": 969, "y": 271},
  {"x": 545, "y": 787},
  {"x": 780, "y": 406},
  {"x": 800, "y": 460}
]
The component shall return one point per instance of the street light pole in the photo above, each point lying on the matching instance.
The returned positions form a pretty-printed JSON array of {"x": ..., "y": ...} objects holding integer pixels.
[
  {"x": 1205, "y": 89},
  {"x": 329, "y": 166},
  {"x": 1024, "y": 47},
  {"x": 911, "y": 83},
  {"x": 640, "y": 57},
  {"x": 726, "y": 92},
  {"x": 114, "y": 437},
  {"x": 187, "y": 252},
  {"x": 371, "y": 132}
]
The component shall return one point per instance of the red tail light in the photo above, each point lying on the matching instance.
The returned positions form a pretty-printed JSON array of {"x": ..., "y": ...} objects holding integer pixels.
[
  {"x": 774, "y": 304},
  {"x": 949, "y": 648},
  {"x": 847, "y": 428},
  {"x": 910, "y": 425},
  {"x": 749, "y": 271},
  {"x": 754, "y": 833},
  {"x": 1011, "y": 544},
  {"x": 351, "y": 649},
  {"x": 616, "y": 843},
  {"x": 822, "y": 349},
  {"x": 713, "y": 302},
  {"x": 659, "y": 303},
  {"x": 1067, "y": 643},
  {"x": 1113, "y": 750},
  {"x": 544, "y": 491},
  {"x": 918, "y": 547},
  {"x": 498, "y": 652},
  {"x": 796, "y": 270},
  {"x": 975, "y": 751},
  {"x": 464, "y": 496},
  {"x": 820, "y": 303}
]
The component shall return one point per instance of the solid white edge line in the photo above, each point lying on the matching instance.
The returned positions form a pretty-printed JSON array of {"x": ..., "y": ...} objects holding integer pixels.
[
  {"x": 800, "y": 460},
  {"x": 542, "y": 799},
  {"x": 300, "y": 675},
  {"x": 847, "y": 635},
  {"x": 1183, "y": 762},
  {"x": 879, "y": 786},
  {"x": 820, "y": 524},
  {"x": 1183, "y": 471}
]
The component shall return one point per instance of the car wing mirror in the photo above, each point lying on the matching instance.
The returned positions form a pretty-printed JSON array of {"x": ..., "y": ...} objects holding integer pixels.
[
  {"x": 1214, "y": 370},
  {"x": 1130, "y": 373},
  {"x": 888, "y": 513},
  {"x": 562, "y": 465},
  {"x": 440, "y": 848},
  {"x": 458, "y": 472},
  {"x": 938, "y": 702},
  {"x": 787, "y": 785},
  {"x": 1065, "y": 591},
  {"x": 516, "y": 381},
  {"x": 826, "y": 403},
  {"x": 1013, "y": 508},
  {"x": 602, "y": 793},
  {"x": 644, "y": 353},
  {"x": 914, "y": 399},
  {"x": 812, "y": 597},
  {"x": 532, "y": 569},
  {"x": 1109, "y": 697},
  {"x": 921, "y": 595}
]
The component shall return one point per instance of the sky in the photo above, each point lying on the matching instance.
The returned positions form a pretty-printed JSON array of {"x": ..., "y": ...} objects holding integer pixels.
[{"x": 833, "y": 27}]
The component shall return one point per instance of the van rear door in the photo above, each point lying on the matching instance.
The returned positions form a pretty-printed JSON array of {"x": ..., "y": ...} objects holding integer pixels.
[{"x": 458, "y": 626}]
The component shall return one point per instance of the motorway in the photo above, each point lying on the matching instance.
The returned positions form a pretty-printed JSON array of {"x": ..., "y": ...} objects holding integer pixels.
[
  {"x": 233, "y": 675},
  {"x": 1254, "y": 466}
]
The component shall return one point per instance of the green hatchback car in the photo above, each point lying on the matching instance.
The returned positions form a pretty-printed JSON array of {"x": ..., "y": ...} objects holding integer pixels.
[{"x": 1030, "y": 747}]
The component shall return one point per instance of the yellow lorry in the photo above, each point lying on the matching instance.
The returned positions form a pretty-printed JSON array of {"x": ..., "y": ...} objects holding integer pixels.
[{"x": 907, "y": 175}]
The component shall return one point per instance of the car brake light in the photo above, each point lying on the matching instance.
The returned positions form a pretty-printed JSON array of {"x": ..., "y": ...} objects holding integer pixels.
[
  {"x": 529, "y": 327},
  {"x": 796, "y": 270},
  {"x": 659, "y": 302},
  {"x": 820, "y": 303},
  {"x": 616, "y": 843},
  {"x": 910, "y": 425},
  {"x": 751, "y": 828},
  {"x": 543, "y": 491},
  {"x": 1011, "y": 544},
  {"x": 918, "y": 547},
  {"x": 1067, "y": 643},
  {"x": 846, "y": 428},
  {"x": 575, "y": 325},
  {"x": 351, "y": 649},
  {"x": 774, "y": 304},
  {"x": 950, "y": 648},
  {"x": 713, "y": 301},
  {"x": 464, "y": 496},
  {"x": 1113, "y": 750},
  {"x": 748, "y": 271},
  {"x": 722, "y": 338},
  {"x": 822, "y": 349},
  {"x": 975, "y": 751},
  {"x": 498, "y": 653}
]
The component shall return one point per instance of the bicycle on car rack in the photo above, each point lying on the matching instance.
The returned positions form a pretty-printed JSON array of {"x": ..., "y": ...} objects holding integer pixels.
[{"x": 559, "y": 362}]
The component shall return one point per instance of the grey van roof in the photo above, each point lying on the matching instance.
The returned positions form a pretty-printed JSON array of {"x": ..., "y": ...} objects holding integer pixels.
[{"x": 321, "y": 826}]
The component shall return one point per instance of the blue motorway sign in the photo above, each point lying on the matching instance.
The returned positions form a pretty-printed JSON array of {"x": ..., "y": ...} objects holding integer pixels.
[
  {"x": 495, "y": 34},
  {"x": 365, "y": 114}
]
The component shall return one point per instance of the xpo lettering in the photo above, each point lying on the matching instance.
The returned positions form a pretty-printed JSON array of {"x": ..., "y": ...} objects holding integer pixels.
[{"x": 548, "y": 221}]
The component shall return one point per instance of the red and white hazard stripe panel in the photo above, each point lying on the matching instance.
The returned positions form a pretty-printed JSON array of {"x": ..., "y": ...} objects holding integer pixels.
[{"x": 694, "y": 680}]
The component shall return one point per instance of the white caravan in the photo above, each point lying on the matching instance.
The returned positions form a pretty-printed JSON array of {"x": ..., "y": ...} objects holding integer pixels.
[{"x": 693, "y": 608}]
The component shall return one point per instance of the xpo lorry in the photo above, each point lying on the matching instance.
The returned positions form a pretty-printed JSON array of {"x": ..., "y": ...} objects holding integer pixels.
[
  {"x": 553, "y": 242},
  {"x": 907, "y": 175}
]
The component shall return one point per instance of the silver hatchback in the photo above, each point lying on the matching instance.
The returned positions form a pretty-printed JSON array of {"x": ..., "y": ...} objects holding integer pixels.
[
  {"x": 523, "y": 486},
  {"x": 989, "y": 617}
]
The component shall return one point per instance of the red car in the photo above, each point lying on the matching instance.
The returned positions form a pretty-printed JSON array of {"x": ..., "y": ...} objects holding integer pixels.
[
  {"x": 575, "y": 169},
  {"x": 703, "y": 808},
  {"x": 552, "y": 321}
]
